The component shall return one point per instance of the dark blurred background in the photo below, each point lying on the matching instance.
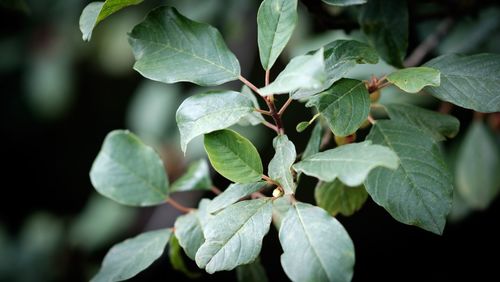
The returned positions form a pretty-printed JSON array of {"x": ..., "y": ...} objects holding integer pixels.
[{"x": 61, "y": 96}]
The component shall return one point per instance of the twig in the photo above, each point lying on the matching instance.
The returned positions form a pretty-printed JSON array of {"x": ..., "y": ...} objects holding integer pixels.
[
  {"x": 283, "y": 108},
  {"x": 270, "y": 125},
  {"x": 429, "y": 43},
  {"x": 268, "y": 74},
  {"x": 215, "y": 190},
  {"x": 267, "y": 113},
  {"x": 249, "y": 84},
  {"x": 178, "y": 206}
]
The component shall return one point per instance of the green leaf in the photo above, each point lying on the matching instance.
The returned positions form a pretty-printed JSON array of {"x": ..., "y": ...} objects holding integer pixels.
[
  {"x": 234, "y": 236},
  {"x": 302, "y": 126},
  {"x": 477, "y": 167},
  {"x": 350, "y": 163},
  {"x": 280, "y": 166},
  {"x": 420, "y": 191},
  {"x": 276, "y": 21},
  {"x": 254, "y": 118},
  {"x": 314, "y": 143},
  {"x": 385, "y": 24},
  {"x": 95, "y": 12},
  {"x": 175, "y": 257},
  {"x": 128, "y": 171},
  {"x": 335, "y": 197},
  {"x": 340, "y": 57},
  {"x": 303, "y": 72},
  {"x": 232, "y": 194},
  {"x": 412, "y": 80},
  {"x": 471, "y": 82},
  {"x": 169, "y": 47},
  {"x": 189, "y": 229},
  {"x": 435, "y": 124},
  {"x": 128, "y": 258},
  {"x": 344, "y": 2},
  {"x": 251, "y": 272},
  {"x": 233, "y": 156},
  {"x": 345, "y": 106},
  {"x": 197, "y": 177},
  {"x": 316, "y": 247},
  {"x": 207, "y": 112}
]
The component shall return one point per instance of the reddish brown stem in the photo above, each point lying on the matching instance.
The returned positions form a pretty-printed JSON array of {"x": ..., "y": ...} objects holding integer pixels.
[
  {"x": 267, "y": 113},
  {"x": 178, "y": 206},
  {"x": 270, "y": 125},
  {"x": 283, "y": 108},
  {"x": 268, "y": 73}
]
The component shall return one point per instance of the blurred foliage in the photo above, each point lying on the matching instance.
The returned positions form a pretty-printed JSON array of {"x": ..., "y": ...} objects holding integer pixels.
[{"x": 48, "y": 74}]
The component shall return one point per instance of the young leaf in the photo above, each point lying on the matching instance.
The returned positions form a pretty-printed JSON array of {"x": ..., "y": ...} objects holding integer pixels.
[
  {"x": 119, "y": 265},
  {"x": 276, "y": 21},
  {"x": 420, "y": 191},
  {"x": 207, "y": 112},
  {"x": 234, "y": 236},
  {"x": 340, "y": 57},
  {"x": 385, "y": 24},
  {"x": 280, "y": 166},
  {"x": 232, "y": 194},
  {"x": 477, "y": 167},
  {"x": 412, "y": 80},
  {"x": 350, "y": 163},
  {"x": 345, "y": 106},
  {"x": 254, "y": 118},
  {"x": 233, "y": 156},
  {"x": 169, "y": 47},
  {"x": 251, "y": 272},
  {"x": 175, "y": 257},
  {"x": 303, "y": 72},
  {"x": 95, "y": 12},
  {"x": 309, "y": 234},
  {"x": 344, "y": 2},
  {"x": 314, "y": 143},
  {"x": 128, "y": 171},
  {"x": 189, "y": 229},
  {"x": 435, "y": 124},
  {"x": 197, "y": 177},
  {"x": 335, "y": 197},
  {"x": 471, "y": 82}
]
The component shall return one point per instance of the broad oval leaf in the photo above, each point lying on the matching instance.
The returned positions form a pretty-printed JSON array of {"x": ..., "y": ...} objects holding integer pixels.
[
  {"x": 234, "y": 236},
  {"x": 345, "y": 106},
  {"x": 254, "y": 118},
  {"x": 477, "y": 167},
  {"x": 350, "y": 163},
  {"x": 251, "y": 272},
  {"x": 344, "y": 2},
  {"x": 207, "y": 112},
  {"x": 412, "y": 80},
  {"x": 169, "y": 47},
  {"x": 233, "y": 156},
  {"x": 309, "y": 234},
  {"x": 128, "y": 171},
  {"x": 119, "y": 264},
  {"x": 471, "y": 82},
  {"x": 95, "y": 12},
  {"x": 189, "y": 229},
  {"x": 335, "y": 197},
  {"x": 340, "y": 57},
  {"x": 420, "y": 191},
  {"x": 197, "y": 177},
  {"x": 385, "y": 24},
  {"x": 276, "y": 21},
  {"x": 302, "y": 72},
  {"x": 438, "y": 125},
  {"x": 280, "y": 167},
  {"x": 232, "y": 194}
]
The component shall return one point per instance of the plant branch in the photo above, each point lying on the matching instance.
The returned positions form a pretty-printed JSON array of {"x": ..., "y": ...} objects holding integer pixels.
[
  {"x": 215, "y": 190},
  {"x": 283, "y": 108},
  {"x": 178, "y": 206},
  {"x": 267, "y": 113},
  {"x": 251, "y": 85},
  {"x": 268, "y": 74},
  {"x": 270, "y": 125},
  {"x": 429, "y": 43}
]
